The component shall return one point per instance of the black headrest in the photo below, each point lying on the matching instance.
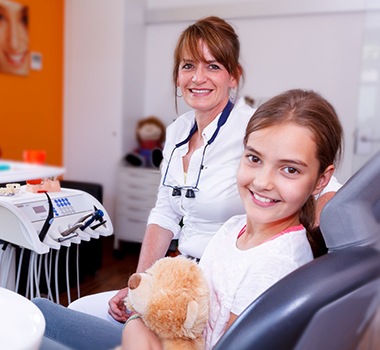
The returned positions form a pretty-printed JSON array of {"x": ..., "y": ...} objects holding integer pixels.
[{"x": 352, "y": 216}]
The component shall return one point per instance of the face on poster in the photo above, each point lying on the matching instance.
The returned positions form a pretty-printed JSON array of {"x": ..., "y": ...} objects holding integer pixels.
[{"x": 14, "y": 38}]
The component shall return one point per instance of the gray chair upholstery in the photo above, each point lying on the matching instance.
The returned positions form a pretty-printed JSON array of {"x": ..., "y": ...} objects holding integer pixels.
[{"x": 329, "y": 302}]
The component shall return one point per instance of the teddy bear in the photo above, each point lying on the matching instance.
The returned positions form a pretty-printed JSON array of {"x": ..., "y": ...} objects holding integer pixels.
[
  {"x": 150, "y": 135},
  {"x": 172, "y": 297}
]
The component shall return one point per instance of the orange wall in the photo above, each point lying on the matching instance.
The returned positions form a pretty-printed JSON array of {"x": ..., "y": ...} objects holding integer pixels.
[{"x": 31, "y": 107}]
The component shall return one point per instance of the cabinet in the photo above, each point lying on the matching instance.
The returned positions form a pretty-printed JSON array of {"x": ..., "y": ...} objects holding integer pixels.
[{"x": 136, "y": 196}]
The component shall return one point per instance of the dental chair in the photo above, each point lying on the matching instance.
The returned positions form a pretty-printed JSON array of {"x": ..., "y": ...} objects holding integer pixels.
[{"x": 329, "y": 302}]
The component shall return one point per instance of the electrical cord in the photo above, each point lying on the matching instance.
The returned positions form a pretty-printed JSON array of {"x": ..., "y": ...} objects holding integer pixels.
[
  {"x": 1, "y": 260},
  {"x": 77, "y": 264},
  {"x": 48, "y": 221},
  {"x": 30, "y": 289},
  {"x": 19, "y": 269},
  {"x": 56, "y": 277},
  {"x": 38, "y": 274},
  {"x": 4, "y": 279},
  {"x": 67, "y": 276},
  {"x": 47, "y": 258}
]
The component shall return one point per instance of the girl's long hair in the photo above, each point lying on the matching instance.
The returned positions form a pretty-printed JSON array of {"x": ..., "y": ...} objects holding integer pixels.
[{"x": 308, "y": 109}]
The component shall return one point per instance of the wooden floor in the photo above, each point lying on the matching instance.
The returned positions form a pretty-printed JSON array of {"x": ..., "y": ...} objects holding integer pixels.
[
  {"x": 116, "y": 269},
  {"x": 113, "y": 274}
]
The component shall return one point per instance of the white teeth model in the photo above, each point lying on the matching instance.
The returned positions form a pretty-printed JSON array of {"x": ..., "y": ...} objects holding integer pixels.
[{"x": 261, "y": 199}]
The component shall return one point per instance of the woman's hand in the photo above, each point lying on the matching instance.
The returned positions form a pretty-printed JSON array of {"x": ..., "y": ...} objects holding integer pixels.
[
  {"x": 232, "y": 319},
  {"x": 136, "y": 336},
  {"x": 117, "y": 308},
  {"x": 321, "y": 202}
]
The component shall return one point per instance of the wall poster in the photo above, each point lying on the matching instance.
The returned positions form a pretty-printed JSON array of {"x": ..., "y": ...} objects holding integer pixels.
[{"x": 14, "y": 38}]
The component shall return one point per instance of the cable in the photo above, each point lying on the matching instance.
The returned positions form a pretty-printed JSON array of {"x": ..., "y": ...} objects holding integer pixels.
[
  {"x": 19, "y": 269},
  {"x": 77, "y": 263},
  {"x": 2, "y": 252},
  {"x": 9, "y": 265},
  {"x": 56, "y": 277},
  {"x": 31, "y": 274},
  {"x": 48, "y": 221},
  {"x": 27, "y": 282},
  {"x": 67, "y": 276},
  {"x": 50, "y": 269},
  {"x": 47, "y": 275},
  {"x": 37, "y": 273}
]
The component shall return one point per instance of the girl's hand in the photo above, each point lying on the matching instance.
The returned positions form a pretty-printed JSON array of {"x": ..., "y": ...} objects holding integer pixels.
[{"x": 117, "y": 308}]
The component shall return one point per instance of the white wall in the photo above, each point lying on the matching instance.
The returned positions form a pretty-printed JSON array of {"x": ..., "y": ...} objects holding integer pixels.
[
  {"x": 320, "y": 50},
  {"x": 103, "y": 70},
  {"x": 307, "y": 52},
  {"x": 118, "y": 61},
  {"x": 181, "y": 10}
]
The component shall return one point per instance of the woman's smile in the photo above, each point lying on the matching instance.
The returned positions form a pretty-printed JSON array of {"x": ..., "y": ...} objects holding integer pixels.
[
  {"x": 204, "y": 84},
  {"x": 200, "y": 91},
  {"x": 16, "y": 59}
]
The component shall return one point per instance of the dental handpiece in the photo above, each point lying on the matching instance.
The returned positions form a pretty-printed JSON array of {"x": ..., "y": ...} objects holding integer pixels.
[{"x": 97, "y": 215}]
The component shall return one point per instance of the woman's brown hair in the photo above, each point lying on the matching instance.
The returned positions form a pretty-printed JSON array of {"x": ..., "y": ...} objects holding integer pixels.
[{"x": 220, "y": 38}]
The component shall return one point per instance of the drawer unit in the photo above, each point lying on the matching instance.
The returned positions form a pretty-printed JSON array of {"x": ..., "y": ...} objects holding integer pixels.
[{"x": 136, "y": 196}]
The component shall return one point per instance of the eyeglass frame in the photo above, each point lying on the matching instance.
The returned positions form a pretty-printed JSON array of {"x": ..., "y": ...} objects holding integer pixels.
[{"x": 190, "y": 190}]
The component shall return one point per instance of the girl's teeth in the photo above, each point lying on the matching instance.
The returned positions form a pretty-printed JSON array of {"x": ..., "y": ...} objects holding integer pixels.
[
  {"x": 261, "y": 199},
  {"x": 264, "y": 199}
]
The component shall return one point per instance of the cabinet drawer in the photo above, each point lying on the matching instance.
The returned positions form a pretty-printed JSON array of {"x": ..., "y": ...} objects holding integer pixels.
[
  {"x": 136, "y": 176},
  {"x": 138, "y": 190},
  {"x": 138, "y": 181},
  {"x": 136, "y": 196},
  {"x": 134, "y": 212},
  {"x": 129, "y": 200}
]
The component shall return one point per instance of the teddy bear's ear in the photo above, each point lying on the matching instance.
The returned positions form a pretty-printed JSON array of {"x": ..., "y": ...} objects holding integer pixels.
[{"x": 192, "y": 314}]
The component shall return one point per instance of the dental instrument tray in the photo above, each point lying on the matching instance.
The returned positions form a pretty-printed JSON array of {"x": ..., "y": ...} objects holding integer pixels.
[{"x": 41, "y": 221}]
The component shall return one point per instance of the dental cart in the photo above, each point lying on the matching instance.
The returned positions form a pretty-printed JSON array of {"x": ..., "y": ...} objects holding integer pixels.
[{"x": 37, "y": 225}]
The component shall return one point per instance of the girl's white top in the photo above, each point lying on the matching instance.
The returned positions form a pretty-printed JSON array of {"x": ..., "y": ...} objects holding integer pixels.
[{"x": 237, "y": 277}]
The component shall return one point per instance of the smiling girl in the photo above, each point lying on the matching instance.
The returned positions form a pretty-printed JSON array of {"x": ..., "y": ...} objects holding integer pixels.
[{"x": 291, "y": 145}]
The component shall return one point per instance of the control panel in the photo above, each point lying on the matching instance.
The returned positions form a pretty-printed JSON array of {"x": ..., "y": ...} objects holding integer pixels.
[{"x": 40, "y": 221}]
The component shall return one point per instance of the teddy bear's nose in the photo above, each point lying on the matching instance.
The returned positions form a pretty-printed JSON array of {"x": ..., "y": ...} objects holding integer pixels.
[{"x": 134, "y": 281}]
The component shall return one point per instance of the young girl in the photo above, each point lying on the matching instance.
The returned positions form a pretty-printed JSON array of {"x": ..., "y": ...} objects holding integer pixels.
[{"x": 291, "y": 145}]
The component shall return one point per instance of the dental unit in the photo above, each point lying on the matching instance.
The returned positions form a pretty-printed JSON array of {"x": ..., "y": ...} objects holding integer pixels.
[{"x": 38, "y": 223}]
